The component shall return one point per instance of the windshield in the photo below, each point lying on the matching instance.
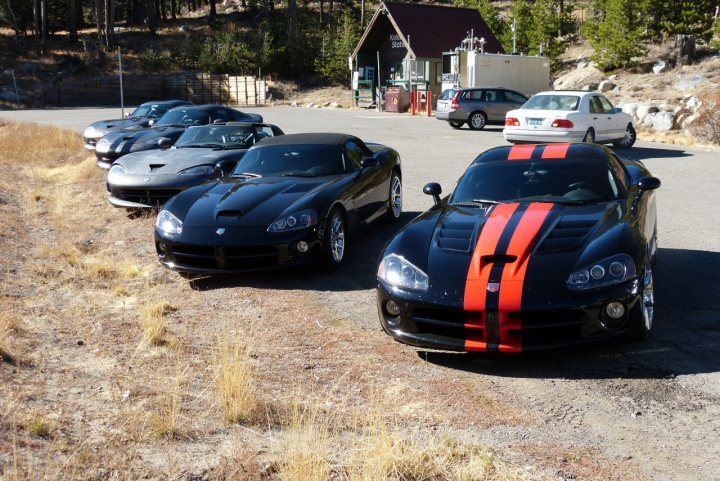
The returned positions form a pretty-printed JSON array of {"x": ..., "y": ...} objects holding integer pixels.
[
  {"x": 185, "y": 117},
  {"x": 225, "y": 136},
  {"x": 561, "y": 181},
  {"x": 149, "y": 110},
  {"x": 553, "y": 102},
  {"x": 292, "y": 160}
]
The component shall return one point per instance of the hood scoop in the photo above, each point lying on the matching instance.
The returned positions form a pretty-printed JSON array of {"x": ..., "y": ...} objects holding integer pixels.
[
  {"x": 455, "y": 236},
  {"x": 301, "y": 187},
  {"x": 230, "y": 213},
  {"x": 568, "y": 233},
  {"x": 154, "y": 167}
]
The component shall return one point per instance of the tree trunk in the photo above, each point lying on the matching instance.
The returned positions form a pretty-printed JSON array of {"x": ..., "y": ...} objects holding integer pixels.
[
  {"x": 99, "y": 19},
  {"x": 151, "y": 17},
  {"x": 72, "y": 21},
  {"x": 213, "y": 10},
  {"x": 330, "y": 12},
  {"x": 109, "y": 23},
  {"x": 173, "y": 9},
  {"x": 43, "y": 26},
  {"x": 163, "y": 10},
  {"x": 322, "y": 7},
  {"x": 292, "y": 21}
]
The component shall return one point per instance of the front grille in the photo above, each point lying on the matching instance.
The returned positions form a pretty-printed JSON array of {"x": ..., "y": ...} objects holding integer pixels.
[
  {"x": 223, "y": 257},
  {"x": 567, "y": 234},
  {"x": 145, "y": 196},
  {"x": 91, "y": 140}
]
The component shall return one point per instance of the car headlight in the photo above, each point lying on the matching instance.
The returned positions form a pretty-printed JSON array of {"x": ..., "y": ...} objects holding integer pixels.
[
  {"x": 116, "y": 170},
  {"x": 613, "y": 270},
  {"x": 168, "y": 224},
  {"x": 300, "y": 220},
  {"x": 198, "y": 170},
  {"x": 154, "y": 140},
  {"x": 398, "y": 272}
]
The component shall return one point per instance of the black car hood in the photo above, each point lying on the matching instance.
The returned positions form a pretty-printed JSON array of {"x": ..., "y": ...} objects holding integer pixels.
[
  {"x": 253, "y": 202},
  {"x": 172, "y": 161},
  {"x": 116, "y": 124},
  {"x": 443, "y": 241},
  {"x": 141, "y": 134}
]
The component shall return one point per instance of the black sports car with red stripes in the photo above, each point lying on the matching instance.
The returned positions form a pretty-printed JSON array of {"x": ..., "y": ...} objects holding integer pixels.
[{"x": 538, "y": 246}]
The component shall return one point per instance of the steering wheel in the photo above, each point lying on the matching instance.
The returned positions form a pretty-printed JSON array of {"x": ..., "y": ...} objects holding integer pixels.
[{"x": 581, "y": 185}]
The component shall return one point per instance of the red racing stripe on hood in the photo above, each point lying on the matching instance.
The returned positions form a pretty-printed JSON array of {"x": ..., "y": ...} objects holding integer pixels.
[
  {"x": 479, "y": 273},
  {"x": 513, "y": 278}
]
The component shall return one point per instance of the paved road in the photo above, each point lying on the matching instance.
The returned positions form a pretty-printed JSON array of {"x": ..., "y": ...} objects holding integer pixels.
[{"x": 674, "y": 379}]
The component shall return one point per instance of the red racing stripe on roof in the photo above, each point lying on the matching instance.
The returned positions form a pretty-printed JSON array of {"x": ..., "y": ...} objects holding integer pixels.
[
  {"x": 555, "y": 151},
  {"x": 521, "y": 152}
]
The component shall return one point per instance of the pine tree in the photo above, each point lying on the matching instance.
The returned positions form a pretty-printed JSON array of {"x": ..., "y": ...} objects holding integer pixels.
[
  {"x": 689, "y": 17},
  {"x": 521, "y": 18},
  {"x": 618, "y": 39}
]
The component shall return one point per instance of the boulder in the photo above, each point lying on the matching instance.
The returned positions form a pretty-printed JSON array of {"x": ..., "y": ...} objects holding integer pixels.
[
  {"x": 575, "y": 79},
  {"x": 660, "y": 67},
  {"x": 294, "y": 104},
  {"x": 630, "y": 109},
  {"x": 606, "y": 86},
  {"x": 644, "y": 110},
  {"x": 589, "y": 87},
  {"x": 692, "y": 103},
  {"x": 660, "y": 121},
  {"x": 309, "y": 105},
  {"x": 335, "y": 105},
  {"x": 688, "y": 121}
]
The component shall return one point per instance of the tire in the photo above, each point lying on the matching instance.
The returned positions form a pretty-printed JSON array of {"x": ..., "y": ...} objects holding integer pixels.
[
  {"x": 333, "y": 252},
  {"x": 629, "y": 139},
  {"x": 456, "y": 125},
  {"x": 589, "y": 136},
  {"x": 642, "y": 315},
  {"x": 395, "y": 198},
  {"x": 477, "y": 120}
]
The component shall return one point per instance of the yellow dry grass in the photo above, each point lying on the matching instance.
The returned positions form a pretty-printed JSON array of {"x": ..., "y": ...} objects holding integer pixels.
[
  {"x": 166, "y": 419},
  {"x": 155, "y": 330},
  {"x": 27, "y": 144},
  {"x": 70, "y": 172},
  {"x": 235, "y": 382},
  {"x": 6, "y": 350},
  {"x": 306, "y": 448}
]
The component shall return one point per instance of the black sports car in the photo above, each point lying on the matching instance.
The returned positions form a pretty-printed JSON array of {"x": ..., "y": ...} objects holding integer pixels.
[
  {"x": 165, "y": 131},
  {"x": 143, "y": 116},
  {"x": 288, "y": 198},
  {"x": 538, "y": 246},
  {"x": 148, "y": 179}
]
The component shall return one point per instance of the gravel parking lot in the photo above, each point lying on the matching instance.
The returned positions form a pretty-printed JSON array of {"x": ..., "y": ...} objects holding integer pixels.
[{"x": 655, "y": 404}]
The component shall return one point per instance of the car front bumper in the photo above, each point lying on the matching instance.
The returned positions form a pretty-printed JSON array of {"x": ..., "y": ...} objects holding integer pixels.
[
  {"x": 205, "y": 251},
  {"x": 144, "y": 192},
  {"x": 435, "y": 325}
]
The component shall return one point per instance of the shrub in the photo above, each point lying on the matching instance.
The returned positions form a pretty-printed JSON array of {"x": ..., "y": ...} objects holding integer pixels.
[{"x": 152, "y": 60}]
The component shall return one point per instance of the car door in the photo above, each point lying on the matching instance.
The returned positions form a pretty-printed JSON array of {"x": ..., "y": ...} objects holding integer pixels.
[
  {"x": 615, "y": 121},
  {"x": 472, "y": 100},
  {"x": 513, "y": 100},
  {"x": 598, "y": 118},
  {"x": 494, "y": 104},
  {"x": 367, "y": 193}
]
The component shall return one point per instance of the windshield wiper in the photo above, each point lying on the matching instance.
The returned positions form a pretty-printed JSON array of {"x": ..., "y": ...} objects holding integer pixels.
[
  {"x": 297, "y": 174},
  {"x": 247, "y": 175}
]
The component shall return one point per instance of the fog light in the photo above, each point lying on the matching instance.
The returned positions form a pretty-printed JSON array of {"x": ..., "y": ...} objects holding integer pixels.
[
  {"x": 162, "y": 247},
  {"x": 392, "y": 308},
  {"x": 302, "y": 247},
  {"x": 615, "y": 310}
]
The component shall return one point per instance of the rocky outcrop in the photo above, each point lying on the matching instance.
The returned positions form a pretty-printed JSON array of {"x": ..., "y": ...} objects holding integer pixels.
[
  {"x": 664, "y": 116},
  {"x": 584, "y": 75}
]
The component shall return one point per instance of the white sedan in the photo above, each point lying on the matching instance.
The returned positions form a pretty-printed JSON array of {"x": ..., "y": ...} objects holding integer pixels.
[{"x": 569, "y": 116}]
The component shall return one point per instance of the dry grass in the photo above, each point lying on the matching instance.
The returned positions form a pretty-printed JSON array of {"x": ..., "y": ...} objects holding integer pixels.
[
  {"x": 707, "y": 126},
  {"x": 167, "y": 420},
  {"x": 71, "y": 172},
  {"x": 155, "y": 330},
  {"x": 29, "y": 144},
  {"x": 236, "y": 383},
  {"x": 40, "y": 427},
  {"x": 6, "y": 350},
  {"x": 306, "y": 448}
]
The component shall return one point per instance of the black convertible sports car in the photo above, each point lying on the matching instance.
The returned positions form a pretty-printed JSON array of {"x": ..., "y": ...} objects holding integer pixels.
[
  {"x": 143, "y": 116},
  {"x": 148, "y": 179},
  {"x": 288, "y": 198},
  {"x": 165, "y": 131},
  {"x": 538, "y": 246}
]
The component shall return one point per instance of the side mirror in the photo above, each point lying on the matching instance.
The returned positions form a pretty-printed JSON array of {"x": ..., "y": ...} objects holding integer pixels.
[
  {"x": 368, "y": 162},
  {"x": 127, "y": 114},
  {"x": 151, "y": 122},
  {"x": 433, "y": 189},
  {"x": 224, "y": 167},
  {"x": 649, "y": 183},
  {"x": 617, "y": 110},
  {"x": 165, "y": 143}
]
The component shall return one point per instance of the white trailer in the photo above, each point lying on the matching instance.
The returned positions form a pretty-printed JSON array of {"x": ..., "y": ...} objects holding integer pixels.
[{"x": 528, "y": 74}]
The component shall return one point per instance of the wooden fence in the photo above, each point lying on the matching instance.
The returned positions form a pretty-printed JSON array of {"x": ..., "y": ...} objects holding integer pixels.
[{"x": 198, "y": 88}]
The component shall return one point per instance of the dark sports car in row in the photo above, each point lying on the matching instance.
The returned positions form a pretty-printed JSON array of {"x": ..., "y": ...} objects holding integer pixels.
[
  {"x": 538, "y": 246},
  {"x": 165, "y": 131},
  {"x": 289, "y": 199},
  {"x": 148, "y": 179},
  {"x": 143, "y": 116}
]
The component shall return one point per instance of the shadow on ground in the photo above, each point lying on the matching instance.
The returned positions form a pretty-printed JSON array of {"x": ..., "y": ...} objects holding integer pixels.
[
  {"x": 643, "y": 153},
  {"x": 357, "y": 273},
  {"x": 685, "y": 337}
]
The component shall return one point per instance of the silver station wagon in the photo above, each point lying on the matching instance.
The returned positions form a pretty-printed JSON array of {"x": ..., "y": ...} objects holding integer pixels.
[{"x": 477, "y": 106}]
